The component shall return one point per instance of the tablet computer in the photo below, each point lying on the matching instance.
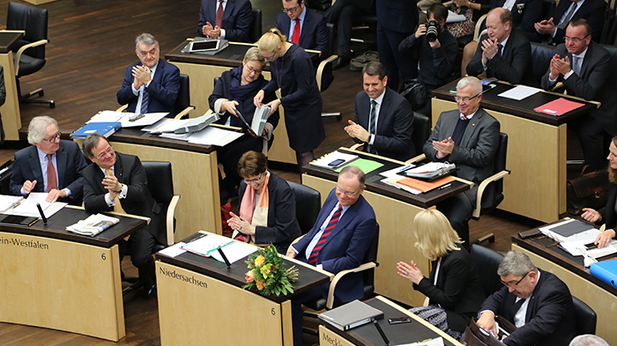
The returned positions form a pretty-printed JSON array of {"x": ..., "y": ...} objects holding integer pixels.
[{"x": 204, "y": 46}]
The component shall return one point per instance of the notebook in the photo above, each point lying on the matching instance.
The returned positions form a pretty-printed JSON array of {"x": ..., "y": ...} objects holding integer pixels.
[{"x": 351, "y": 315}]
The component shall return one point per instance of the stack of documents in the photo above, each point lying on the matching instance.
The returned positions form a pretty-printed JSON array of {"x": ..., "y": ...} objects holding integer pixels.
[
  {"x": 127, "y": 119},
  {"x": 27, "y": 207},
  {"x": 576, "y": 238},
  {"x": 207, "y": 244},
  {"x": 431, "y": 170},
  {"x": 8, "y": 202},
  {"x": 208, "y": 136},
  {"x": 351, "y": 315},
  {"x": 333, "y": 160},
  {"x": 93, "y": 225}
]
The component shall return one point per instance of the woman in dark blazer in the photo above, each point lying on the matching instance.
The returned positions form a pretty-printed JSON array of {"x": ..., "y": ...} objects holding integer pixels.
[
  {"x": 608, "y": 213},
  {"x": 293, "y": 72},
  {"x": 267, "y": 206},
  {"x": 233, "y": 94},
  {"x": 453, "y": 286}
]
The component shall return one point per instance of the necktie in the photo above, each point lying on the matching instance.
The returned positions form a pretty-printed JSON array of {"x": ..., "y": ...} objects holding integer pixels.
[
  {"x": 324, "y": 236},
  {"x": 52, "y": 180},
  {"x": 576, "y": 65},
  {"x": 567, "y": 17},
  {"x": 219, "y": 14},
  {"x": 118, "y": 206},
  {"x": 499, "y": 49},
  {"x": 295, "y": 37},
  {"x": 145, "y": 100},
  {"x": 372, "y": 128}
]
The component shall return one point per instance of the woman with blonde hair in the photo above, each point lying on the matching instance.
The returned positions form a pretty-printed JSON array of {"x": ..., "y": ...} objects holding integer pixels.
[
  {"x": 293, "y": 72},
  {"x": 609, "y": 212},
  {"x": 453, "y": 286}
]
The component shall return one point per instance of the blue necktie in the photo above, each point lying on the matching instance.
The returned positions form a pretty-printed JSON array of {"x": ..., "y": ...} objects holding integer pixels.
[{"x": 145, "y": 100}]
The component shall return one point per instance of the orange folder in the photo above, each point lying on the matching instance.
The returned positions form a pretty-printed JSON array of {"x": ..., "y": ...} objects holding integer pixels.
[{"x": 425, "y": 186}]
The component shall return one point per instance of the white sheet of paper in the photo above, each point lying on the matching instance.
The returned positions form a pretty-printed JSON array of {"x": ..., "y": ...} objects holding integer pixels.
[
  {"x": 163, "y": 123},
  {"x": 214, "y": 136},
  {"x": 438, "y": 341},
  {"x": 106, "y": 116},
  {"x": 148, "y": 119},
  {"x": 453, "y": 17},
  {"x": 28, "y": 206},
  {"x": 519, "y": 93},
  {"x": 394, "y": 172},
  {"x": 174, "y": 250},
  {"x": 7, "y": 202}
]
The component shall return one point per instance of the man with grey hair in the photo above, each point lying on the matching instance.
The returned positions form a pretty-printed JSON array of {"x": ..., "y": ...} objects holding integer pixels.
[
  {"x": 537, "y": 302},
  {"x": 49, "y": 165},
  {"x": 588, "y": 340},
  {"x": 467, "y": 137},
  {"x": 152, "y": 84}
]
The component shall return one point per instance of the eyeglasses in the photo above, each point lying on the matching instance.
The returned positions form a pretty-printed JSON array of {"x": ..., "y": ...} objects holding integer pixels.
[
  {"x": 270, "y": 58},
  {"x": 574, "y": 39},
  {"x": 346, "y": 193},
  {"x": 465, "y": 99},
  {"x": 516, "y": 284},
  {"x": 54, "y": 137},
  {"x": 107, "y": 151},
  {"x": 290, "y": 10},
  {"x": 254, "y": 180},
  {"x": 251, "y": 70}
]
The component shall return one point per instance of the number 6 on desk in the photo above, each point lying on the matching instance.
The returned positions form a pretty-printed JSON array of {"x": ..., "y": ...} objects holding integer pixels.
[{"x": 103, "y": 256}]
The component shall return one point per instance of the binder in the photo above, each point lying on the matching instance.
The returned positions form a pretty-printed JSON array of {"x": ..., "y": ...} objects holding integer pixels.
[
  {"x": 558, "y": 107},
  {"x": 605, "y": 271},
  {"x": 351, "y": 315},
  {"x": 105, "y": 129}
]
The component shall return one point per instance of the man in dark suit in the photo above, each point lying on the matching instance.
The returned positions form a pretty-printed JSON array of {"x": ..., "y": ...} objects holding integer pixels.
[
  {"x": 384, "y": 119},
  {"x": 525, "y": 13},
  {"x": 535, "y": 301},
  {"x": 118, "y": 182},
  {"x": 503, "y": 53},
  {"x": 311, "y": 33},
  {"x": 585, "y": 69},
  {"x": 467, "y": 137},
  {"x": 339, "y": 240},
  {"x": 235, "y": 19},
  {"x": 552, "y": 30},
  {"x": 49, "y": 165},
  {"x": 152, "y": 84},
  {"x": 396, "y": 19}
]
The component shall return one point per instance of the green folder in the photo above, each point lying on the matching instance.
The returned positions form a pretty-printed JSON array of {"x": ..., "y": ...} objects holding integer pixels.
[{"x": 366, "y": 166}]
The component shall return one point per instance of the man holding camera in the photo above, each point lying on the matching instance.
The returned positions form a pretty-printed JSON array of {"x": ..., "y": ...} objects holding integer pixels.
[
  {"x": 503, "y": 53},
  {"x": 436, "y": 49}
]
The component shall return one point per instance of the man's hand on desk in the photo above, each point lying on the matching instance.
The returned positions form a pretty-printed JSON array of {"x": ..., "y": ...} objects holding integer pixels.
[
  {"x": 444, "y": 148},
  {"x": 54, "y": 194},
  {"x": 604, "y": 238},
  {"x": 28, "y": 186},
  {"x": 487, "y": 322},
  {"x": 356, "y": 131}
]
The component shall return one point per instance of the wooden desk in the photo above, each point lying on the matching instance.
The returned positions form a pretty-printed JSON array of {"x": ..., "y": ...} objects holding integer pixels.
[
  {"x": 598, "y": 295},
  {"x": 195, "y": 175},
  {"x": 11, "y": 117},
  {"x": 367, "y": 335},
  {"x": 537, "y": 146},
  {"x": 395, "y": 210},
  {"x": 52, "y": 278},
  {"x": 202, "y": 302}
]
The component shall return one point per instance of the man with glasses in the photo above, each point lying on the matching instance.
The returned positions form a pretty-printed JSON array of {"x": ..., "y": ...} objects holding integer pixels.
[
  {"x": 467, "y": 137},
  {"x": 303, "y": 26},
  {"x": 584, "y": 67},
  {"x": 49, "y": 165},
  {"x": 152, "y": 84},
  {"x": 339, "y": 240},
  {"x": 537, "y": 302},
  {"x": 225, "y": 19},
  {"x": 118, "y": 182}
]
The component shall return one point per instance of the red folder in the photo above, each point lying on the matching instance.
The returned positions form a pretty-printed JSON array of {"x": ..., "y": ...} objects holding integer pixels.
[{"x": 558, "y": 107}]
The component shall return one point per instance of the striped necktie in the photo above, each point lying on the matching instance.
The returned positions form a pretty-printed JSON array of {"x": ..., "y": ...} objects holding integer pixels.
[
  {"x": 324, "y": 236},
  {"x": 145, "y": 100}
]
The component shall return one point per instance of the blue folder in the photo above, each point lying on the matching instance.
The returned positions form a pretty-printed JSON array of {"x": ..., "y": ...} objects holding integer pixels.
[
  {"x": 105, "y": 129},
  {"x": 605, "y": 271}
]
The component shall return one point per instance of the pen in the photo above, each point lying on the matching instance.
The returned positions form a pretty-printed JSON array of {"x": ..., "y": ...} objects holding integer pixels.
[
  {"x": 33, "y": 222},
  {"x": 445, "y": 186},
  {"x": 42, "y": 214},
  {"x": 224, "y": 257},
  {"x": 406, "y": 167}
]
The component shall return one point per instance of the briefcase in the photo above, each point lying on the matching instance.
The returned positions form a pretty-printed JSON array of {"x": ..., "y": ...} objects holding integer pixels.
[
  {"x": 590, "y": 190},
  {"x": 474, "y": 336}
]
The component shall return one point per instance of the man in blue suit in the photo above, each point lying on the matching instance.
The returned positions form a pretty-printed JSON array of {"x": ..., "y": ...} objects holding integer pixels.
[
  {"x": 49, "y": 165},
  {"x": 339, "y": 240},
  {"x": 152, "y": 84},
  {"x": 312, "y": 34},
  {"x": 235, "y": 20}
]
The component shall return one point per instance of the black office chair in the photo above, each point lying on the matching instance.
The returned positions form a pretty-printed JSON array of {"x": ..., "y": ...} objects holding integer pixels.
[
  {"x": 487, "y": 261},
  {"x": 308, "y": 204},
  {"x": 541, "y": 55},
  {"x": 586, "y": 318},
  {"x": 255, "y": 30},
  {"x": 30, "y": 56},
  {"x": 421, "y": 130},
  {"x": 609, "y": 30},
  {"x": 161, "y": 187}
]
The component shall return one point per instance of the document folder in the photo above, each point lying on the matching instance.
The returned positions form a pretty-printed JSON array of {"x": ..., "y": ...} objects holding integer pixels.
[
  {"x": 558, "y": 107},
  {"x": 351, "y": 315},
  {"x": 605, "y": 271},
  {"x": 105, "y": 129}
]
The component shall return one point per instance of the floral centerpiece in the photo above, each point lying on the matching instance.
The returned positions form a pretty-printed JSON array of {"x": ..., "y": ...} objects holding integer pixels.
[{"x": 267, "y": 273}]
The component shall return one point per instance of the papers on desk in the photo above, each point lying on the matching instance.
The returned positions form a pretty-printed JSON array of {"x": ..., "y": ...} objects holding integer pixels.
[
  {"x": 186, "y": 125},
  {"x": 394, "y": 183},
  {"x": 431, "y": 170},
  {"x": 7, "y": 202},
  {"x": 519, "y": 93},
  {"x": 127, "y": 119},
  {"x": 351, "y": 315},
  {"x": 93, "y": 225},
  {"x": 394, "y": 172},
  {"x": 208, "y": 136},
  {"x": 573, "y": 236},
  {"x": 27, "y": 207},
  {"x": 207, "y": 244},
  {"x": 333, "y": 160},
  {"x": 174, "y": 250},
  {"x": 433, "y": 342},
  {"x": 558, "y": 107}
]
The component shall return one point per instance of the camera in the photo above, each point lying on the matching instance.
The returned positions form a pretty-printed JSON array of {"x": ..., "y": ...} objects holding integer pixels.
[{"x": 432, "y": 31}]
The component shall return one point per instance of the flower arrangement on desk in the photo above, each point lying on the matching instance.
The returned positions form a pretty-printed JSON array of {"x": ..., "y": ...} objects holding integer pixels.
[{"x": 267, "y": 273}]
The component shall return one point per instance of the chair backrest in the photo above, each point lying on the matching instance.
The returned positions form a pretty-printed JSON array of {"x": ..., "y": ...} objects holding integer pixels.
[
  {"x": 33, "y": 21},
  {"x": 613, "y": 51},
  {"x": 487, "y": 261},
  {"x": 499, "y": 163},
  {"x": 547, "y": 8},
  {"x": 541, "y": 55},
  {"x": 184, "y": 94},
  {"x": 255, "y": 30},
  {"x": 371, "y": 256},
  {"x": 421, "y": 131},
  {"x": 585, "y": 317},
  {"x": 326, "y": 77},
  {"x": 160, "y": 181},
  {"x": 308, "y": 204}
]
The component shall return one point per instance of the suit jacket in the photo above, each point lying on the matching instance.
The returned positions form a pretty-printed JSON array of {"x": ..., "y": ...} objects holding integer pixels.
[
  {"x": 70, "y": 161},
  {"x": 314, "y": 33},
  {"x": 237, "y": 18},
  {"x": 2, "y": 99},
  {"x": 345, "y": 247},
  {"x": 138, "y": 201},
  {"x": 525, "y": 13},
  {"x": 283, "y": 226},
  {"x": 596, "y": 82},
  {"x": 592, "y": 10},
  {"x": 609, "y": 216},
  {"x": 550, "y": 313},
  {"x": 397, "y": 15},
  {"x": 163, "y": 89},
  {"x": 458, "y": 290},
  {"x": 394, "y": 124},
  {"x": 513, "y": 64},
  {"x": 474, "y": 155}
]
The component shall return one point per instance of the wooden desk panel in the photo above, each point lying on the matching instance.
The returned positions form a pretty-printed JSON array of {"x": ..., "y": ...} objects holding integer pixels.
[{"x": 11, "y": 116}]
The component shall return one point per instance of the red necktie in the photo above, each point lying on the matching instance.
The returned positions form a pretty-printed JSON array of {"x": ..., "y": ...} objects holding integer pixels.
[
  {"x": 219, "y": 14},
  {"x": 295, "y": 37},
  {"x": 324, "y": 236},
  {"x": 52, "y": 180}
]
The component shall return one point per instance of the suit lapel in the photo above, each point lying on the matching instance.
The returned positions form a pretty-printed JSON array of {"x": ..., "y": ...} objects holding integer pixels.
[
  {"x": 587, "y": 61},
  {"x": 304, "y": 29},
  {"x": 118, "y": 171},
  {"x": 61, "y": 162},
  {"x": 228, "y": 8},
  {"x": 383, "y": 110},
  {"x": 471, "y": 128},
  {"x": 349, "y": 215},
  {"x": 35, "y": 166}
]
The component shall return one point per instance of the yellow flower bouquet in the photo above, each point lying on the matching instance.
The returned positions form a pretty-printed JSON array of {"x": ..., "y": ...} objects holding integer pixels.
[{"x": 266, "y": 273}]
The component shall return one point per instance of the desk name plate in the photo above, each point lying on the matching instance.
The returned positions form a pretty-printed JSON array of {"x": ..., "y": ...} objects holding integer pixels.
[{"x": 18, "y": 241}]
